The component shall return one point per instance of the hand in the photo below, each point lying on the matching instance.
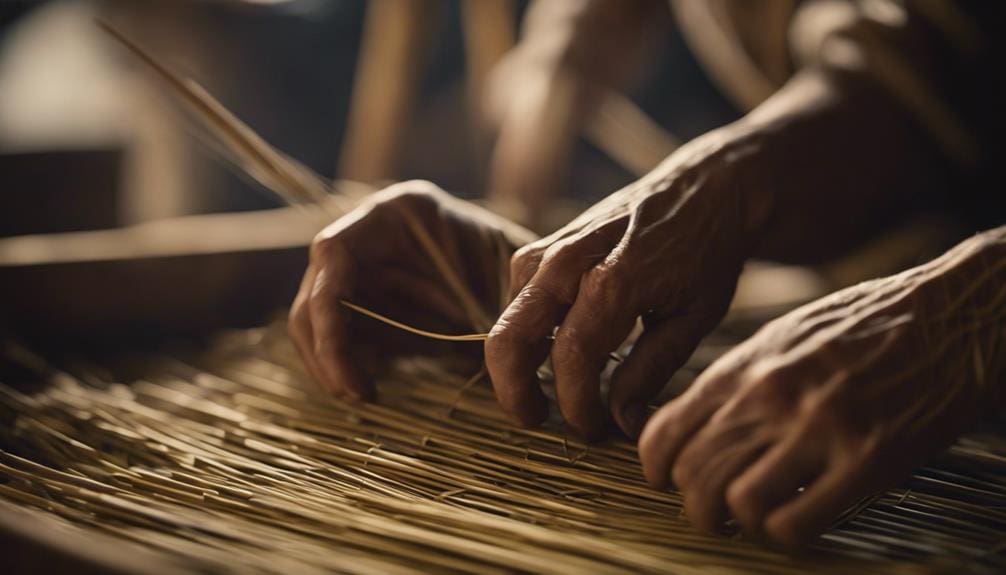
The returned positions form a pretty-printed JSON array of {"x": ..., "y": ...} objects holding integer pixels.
[
  {"x": 840, "y": 398},
  {"x": 373, "y": 258},
  {"x": 666, "y": 250}
]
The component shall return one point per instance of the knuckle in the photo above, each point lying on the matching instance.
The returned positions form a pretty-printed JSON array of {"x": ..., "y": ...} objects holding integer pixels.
[
  {"x": 524, "y": 263},
  {"x": 562, "y": 254},
  {"x": 603, "y": 285},
  {"x": 770, "y": 373},
  {"x": 495, "y": 341},
  {"x": 500, "y": 342},
  {"x": 416, "y": 200},
  {"x": 771, "y": 385},
  {"x": 766, "y": 394},
  {"x": 322, "y": 247},
  {"x": 411, "y": 192},
  {"x": 655, "y": 206},
  {"x": 416, "y": 196}
]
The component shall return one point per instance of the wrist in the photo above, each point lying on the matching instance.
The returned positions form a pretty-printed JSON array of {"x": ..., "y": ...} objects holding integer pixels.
[
  {"x": 799, "y": 187},
  {"x": 723, "y": 169},
  {"x": 772, "y": 157}
]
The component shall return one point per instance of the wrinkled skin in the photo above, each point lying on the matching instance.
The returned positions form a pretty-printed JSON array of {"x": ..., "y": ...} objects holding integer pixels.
[
  {"x": 581, "y": 278},
  {"x": 844, "y": 396},
  {"x": 814, "y": 400},
  {"x": 841, "y": 397},
  {"x": 666, "y": 250},
  {"x": 371, "y": 258}
]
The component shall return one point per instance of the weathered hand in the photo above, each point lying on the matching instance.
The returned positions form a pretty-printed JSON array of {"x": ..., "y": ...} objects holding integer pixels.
[
  {"x": 837, "y": 399},
  {"x": 373, "y": 257},
  {"x": 667, "y": 250}
]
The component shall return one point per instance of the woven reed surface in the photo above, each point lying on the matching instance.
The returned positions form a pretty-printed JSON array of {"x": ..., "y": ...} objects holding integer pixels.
[{"x": 232, "y": 460}]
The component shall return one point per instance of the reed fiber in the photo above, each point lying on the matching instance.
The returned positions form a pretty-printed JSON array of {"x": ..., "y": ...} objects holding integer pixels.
[{"x": 231, "y": 459}]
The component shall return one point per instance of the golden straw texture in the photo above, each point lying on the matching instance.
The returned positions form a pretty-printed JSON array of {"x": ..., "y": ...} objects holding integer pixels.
[{"x": 233, "y": 460}]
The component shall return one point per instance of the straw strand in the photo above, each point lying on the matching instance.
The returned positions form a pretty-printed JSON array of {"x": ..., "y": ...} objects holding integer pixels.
[{"x": 231, "y": 460}]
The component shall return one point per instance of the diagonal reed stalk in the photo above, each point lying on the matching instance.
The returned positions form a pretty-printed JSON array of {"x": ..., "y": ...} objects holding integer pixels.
[{"x": 294, "y": 183}]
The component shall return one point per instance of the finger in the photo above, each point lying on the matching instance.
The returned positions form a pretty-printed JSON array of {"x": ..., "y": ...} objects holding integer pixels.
[
  {"x": 517, "y": 343},
  {"x": 658, "y": 353},
  {"x": 772, "y": 481},
  {"x": 517, "y": 346},
  {"x": 299, "y": 325},
  {"x": 811, "y": 512},
  {"x": 576, "y": 251},
  {"x": 599, "y": 320},
  {"x": 711, "y": 465},
  {"x": 330, "y": 325},
  {"x": 523, "y": 266},
  {"x": 667, "y": 432}
]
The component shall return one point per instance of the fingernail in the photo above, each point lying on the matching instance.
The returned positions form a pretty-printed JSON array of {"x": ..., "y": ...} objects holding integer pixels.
[{"x": 633, "y": 418}]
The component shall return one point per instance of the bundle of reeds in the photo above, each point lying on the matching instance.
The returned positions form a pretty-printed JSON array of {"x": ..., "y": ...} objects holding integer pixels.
[{"x": 233, "y": 460}]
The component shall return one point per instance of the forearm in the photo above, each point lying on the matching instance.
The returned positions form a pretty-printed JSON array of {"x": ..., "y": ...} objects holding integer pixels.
[{"x": 836, "y": 160}]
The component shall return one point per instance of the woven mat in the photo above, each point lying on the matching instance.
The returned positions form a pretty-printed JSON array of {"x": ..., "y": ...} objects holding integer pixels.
[{"x": 232, "y": 460}]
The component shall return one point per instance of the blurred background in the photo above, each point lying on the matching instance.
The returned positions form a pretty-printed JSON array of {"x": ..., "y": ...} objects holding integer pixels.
[
  {"x": 120, "y": 217},
  {"x": 73, "y": 103},
  {"x": 105, "y": 180}
]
